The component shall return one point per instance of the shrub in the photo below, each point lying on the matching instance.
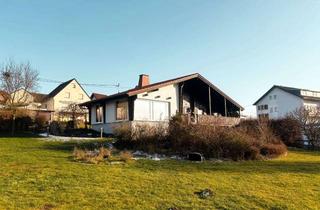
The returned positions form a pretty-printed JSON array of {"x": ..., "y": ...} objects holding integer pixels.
[
  {"x": 141, "y": 136},
  {"x": 273, "y": 150},
  {"x": 125, "y": 156},
  {"x": 79, "y": 154},
  {"x": 91, "y": 156},
  {"x": 249, "y": 141},
  {"x": 40, "y": 123},
  {"x": 104, "y": 153},
  {"x": 58, "y": 127},
  {"x": 288, "y": 130}
]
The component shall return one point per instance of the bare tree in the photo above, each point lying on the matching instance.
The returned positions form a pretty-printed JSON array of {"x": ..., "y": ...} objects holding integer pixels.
[
  {"x": 309, "y": 120},
  {"x": 72, "y": 112},
  {"x": 13, "y": 78}
]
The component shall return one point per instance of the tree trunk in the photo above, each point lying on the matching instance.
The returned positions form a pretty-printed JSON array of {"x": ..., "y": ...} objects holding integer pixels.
[{"x": 13, "y": 123}]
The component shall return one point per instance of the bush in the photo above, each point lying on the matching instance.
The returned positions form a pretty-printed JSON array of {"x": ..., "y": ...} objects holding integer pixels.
[
  {"x": 125, "y": 156},
  {"x": 57, "y": 127},
  {"x": 273, "y": 150},
  {"x": 40, "y": 123},
  {"x": 288, "y": 130},
  {"x": 250, "y": 140},
  {"x": 91, "y": 156},
  {"x": 149, "y": 138}
]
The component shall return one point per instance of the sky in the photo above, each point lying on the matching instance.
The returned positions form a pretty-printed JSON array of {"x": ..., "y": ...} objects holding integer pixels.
[{"x": 242, "y": 46}]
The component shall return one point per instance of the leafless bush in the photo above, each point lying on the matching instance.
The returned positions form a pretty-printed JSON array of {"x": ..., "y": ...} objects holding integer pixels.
[
  {"x": 288, "y": 130},
  {"x": 146, "y": 137},
  {"x": 125, "y": 156},
  {"x": 91, "y": 156},
  {"x": 309, "y": 121},
  {"x": 244, "y": 142}
]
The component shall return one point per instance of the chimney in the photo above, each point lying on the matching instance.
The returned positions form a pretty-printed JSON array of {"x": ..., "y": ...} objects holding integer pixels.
[{"x": 143, "y": 80}]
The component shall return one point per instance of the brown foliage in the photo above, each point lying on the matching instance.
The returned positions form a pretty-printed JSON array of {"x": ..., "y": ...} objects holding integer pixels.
[
  {"x": 125, "y": 156},
  {"x": 90, "y": 156},
  {"x": 249, "y": 141}
]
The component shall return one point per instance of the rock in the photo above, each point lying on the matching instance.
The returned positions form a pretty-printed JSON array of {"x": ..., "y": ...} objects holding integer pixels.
[
  {"x": 206, "y": 193},
  {"x": 140, "y": 154},
  {"x": 195, "y": 156},
  {"x": 155, "y": 157}
]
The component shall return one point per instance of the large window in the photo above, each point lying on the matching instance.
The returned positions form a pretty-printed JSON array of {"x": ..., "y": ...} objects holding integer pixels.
[
  {"x": 122, "y": 111},
  {"x": 99, "y": 114},
  {"x": 149, "y": 110}
]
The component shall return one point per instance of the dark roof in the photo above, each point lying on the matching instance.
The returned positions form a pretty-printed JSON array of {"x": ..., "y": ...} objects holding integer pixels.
[
  {"x": 97, "y": 96},
  {"x": 59, "y": 88},
  {"x": 291, "y": 90},
  {"x": 138, "y": 90}
]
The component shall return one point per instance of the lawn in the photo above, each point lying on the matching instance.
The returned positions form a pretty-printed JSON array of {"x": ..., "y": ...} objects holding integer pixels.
[{"x": 37, "y": 174}]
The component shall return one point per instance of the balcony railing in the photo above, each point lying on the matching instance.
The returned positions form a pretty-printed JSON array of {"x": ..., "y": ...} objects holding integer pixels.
[{"x": 211, "y": 120}]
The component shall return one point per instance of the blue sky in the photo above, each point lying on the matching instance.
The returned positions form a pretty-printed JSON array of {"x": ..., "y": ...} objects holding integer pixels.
[{"x": 243, "y": 47}]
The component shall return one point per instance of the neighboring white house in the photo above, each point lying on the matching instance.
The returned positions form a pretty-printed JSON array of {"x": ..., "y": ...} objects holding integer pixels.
[
  {"x": 280, "y": 101},
  {"x": 154, "y": 103}
]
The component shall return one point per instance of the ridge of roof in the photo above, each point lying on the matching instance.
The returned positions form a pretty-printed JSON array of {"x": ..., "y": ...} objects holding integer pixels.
[
  {"x": 98, "y": 95},
  {"x": 138, "y": 90},
  {"x": 292, "y": 90},
  {"x": 60, "y": 87}
]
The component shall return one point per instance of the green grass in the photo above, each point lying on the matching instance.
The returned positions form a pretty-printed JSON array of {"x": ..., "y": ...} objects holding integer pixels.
[{"x": 36, "y": 174}]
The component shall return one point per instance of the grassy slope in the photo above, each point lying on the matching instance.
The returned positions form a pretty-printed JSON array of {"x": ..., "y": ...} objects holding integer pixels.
[{"x": 35, "y": 174}]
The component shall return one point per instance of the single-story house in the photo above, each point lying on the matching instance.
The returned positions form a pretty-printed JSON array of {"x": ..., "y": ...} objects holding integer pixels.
[{"x": 158, "y": 102}]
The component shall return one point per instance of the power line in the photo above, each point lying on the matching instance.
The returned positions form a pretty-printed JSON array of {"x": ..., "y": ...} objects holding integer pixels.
[{"x": 83, "y": 84}]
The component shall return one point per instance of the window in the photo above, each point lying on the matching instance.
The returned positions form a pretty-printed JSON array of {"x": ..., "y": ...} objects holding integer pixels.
[
  {"x": 275, "y": 109},
  {"x": 149, "y": 110},
  {"x": 67, "y": 95},
  {"x": 271, "y": 109},
  {"x": 274, "y": 96},
  {"x": 80, "y": 96},
  {"x": 263, "y": 116},
  {"x": 270, "y": 97},
  {"x": 73, "y": 85},
  {"x": 122, "y": 111},
  {"x": 259, "y": 107},
  {"x": 266, "y": 107},
  {"x": 99, "y": 114}
]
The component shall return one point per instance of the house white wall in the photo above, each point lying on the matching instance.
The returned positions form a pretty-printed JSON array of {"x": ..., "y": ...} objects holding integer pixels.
[
  {"x": 109, "y": 117},
  {"x": 280, "y": 103},
  {"x": 168, "y": 94}
]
